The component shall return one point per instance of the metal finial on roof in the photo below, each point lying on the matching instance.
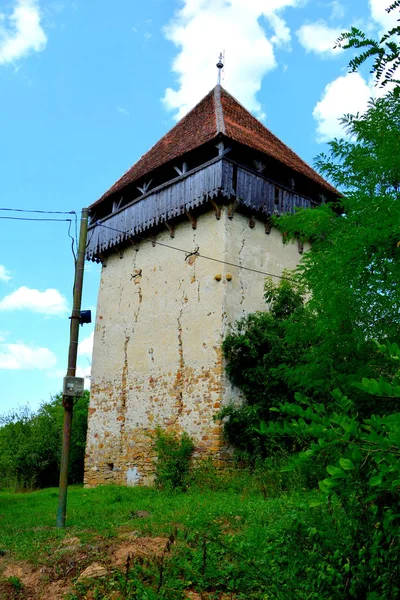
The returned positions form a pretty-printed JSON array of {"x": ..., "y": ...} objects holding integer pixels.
[{"x": 220, "y": 66}]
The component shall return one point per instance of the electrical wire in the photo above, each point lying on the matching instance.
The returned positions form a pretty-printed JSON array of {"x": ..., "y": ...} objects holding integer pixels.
[
  {"x": 35, "y": 219},
  {"x": 188, "y": 253},
  {"x": 73, "y": 240},
  {"x": 76, "y": 233},
  {"x": 46, "y": 219},
  {"x": 43, "y": 212}
]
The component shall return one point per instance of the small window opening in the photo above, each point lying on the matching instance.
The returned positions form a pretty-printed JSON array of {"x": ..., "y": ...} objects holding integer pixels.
[{"x": 110, "y": 466}]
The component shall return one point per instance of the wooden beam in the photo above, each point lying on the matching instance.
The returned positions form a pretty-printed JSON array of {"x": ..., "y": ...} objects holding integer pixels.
[
  {"x": 192, "y": 219},
  {"x": 260, "y": 167},
  {"x": 171, "y": 228},
  {"x": 117, "y": 204},
  {"x": 181, "y": 171},
  {"x": 232, "y": 208},
  {"x": 222, "y": 151},
  {"x": 300, "y": 246},
  {"x": 216, "y": 208},
  {"x": 145, "y": 187}
]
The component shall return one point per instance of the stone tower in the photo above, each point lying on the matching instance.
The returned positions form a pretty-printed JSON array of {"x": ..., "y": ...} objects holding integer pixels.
[{"x": 185, "y": 241}]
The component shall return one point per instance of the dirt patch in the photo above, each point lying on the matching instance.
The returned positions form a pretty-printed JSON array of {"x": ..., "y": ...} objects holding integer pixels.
[
  {"x": 29, "y": 577},
  {"x": 53, "y": 581},
  {"x": 57, "y": 590},
  {"x": 145, "y": 547}
]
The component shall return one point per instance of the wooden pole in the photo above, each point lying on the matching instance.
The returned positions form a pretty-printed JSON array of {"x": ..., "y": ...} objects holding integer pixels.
[{"x": 68, "y": 401}]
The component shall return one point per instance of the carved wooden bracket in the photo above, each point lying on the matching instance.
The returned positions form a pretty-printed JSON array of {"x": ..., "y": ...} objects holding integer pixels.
[
  {"x": 231, "y": 209},
  {"x": 268, "y": 226},
  {"x": 192, "y": 219},
  {"x": 153, "y": 241},
  {"x": 300, "y": 246},
  {"x": 252, "y": 222},
  {"x": 216, "y": 208},
  {"x": 171, "y": 229}
]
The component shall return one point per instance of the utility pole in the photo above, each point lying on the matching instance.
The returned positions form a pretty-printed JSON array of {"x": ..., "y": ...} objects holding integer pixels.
[{"x": 72, "y": 386}]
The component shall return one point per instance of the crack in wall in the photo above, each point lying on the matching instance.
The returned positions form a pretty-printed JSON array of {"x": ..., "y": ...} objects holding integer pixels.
[
  {"x": 179, "y": 382},
  {"x": 194, "y": 269},
  {"x": 241, "y": 283},
  {"x": 129, "y": 331}
]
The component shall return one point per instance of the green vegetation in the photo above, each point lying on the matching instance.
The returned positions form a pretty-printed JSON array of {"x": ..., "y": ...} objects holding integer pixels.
[
  {"x": 172, "y": 466},
  {"x": 340, "y": 387},
  {"x": 30, "y": 445},
  {"x": 226, "y": 538}
]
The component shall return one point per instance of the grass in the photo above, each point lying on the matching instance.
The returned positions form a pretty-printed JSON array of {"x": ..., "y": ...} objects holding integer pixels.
[{"x": 225, "y": 538}]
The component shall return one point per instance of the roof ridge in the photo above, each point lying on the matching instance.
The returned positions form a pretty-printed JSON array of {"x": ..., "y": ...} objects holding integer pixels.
[{"x": 219, "y": 113}]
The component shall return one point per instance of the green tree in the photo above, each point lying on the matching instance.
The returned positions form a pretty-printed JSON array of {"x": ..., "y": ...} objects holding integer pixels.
[
  {"x": 353, "y": 269},
  {"x": 258, "y": 356},
  {"x": 30, "y": 444}
]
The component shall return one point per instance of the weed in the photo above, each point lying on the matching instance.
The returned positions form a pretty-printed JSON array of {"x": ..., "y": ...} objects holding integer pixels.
[{"x": 174, "y": 453}]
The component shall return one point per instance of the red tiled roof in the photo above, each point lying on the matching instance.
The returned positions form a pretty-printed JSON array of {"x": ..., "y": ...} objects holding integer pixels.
[{"x": 216, "y": 113}]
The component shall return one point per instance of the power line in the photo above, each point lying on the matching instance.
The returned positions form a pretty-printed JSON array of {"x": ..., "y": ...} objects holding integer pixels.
[
  {"x": 36, "y": 219},
  {"x": 50, "y": 212},
  {"x": 46, "y": 219},
  {"x": 44, "y": 212},
  {"x": 188, "y": 253}
]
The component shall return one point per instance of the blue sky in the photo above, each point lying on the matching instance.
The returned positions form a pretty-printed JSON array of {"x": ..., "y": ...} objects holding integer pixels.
[{"x": 88, "y": 86}]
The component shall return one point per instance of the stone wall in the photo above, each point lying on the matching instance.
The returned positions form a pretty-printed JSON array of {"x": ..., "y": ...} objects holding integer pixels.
[{"x": 160, "y": 324}]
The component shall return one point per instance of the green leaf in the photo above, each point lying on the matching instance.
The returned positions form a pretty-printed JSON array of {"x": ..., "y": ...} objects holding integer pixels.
[
  {"x": 330, "y": 482},
  {"x": 335, "y": 471},
  {"x": 346, "y": 464},
  {"x": 323, "y": 487},
  {"x": 375, "y": 480},
  {"x": 315, "y": 503}
]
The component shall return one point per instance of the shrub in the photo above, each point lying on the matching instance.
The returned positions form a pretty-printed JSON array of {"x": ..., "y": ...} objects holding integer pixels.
[
  {"x": 172, "y": 465},
  {"x": 360, "y": 488}
]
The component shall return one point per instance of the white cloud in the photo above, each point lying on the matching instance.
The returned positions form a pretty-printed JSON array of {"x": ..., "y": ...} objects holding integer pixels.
[
  {"x": 347, "y": 94},
  {"x": 21, "y": 32},
  {"x": 319, "y": 38},
  {"x": 49, "y": 302},
  {"x": 4, "y": 274},
  {"x": 21, "y": 356},
  {"x": 86, "y": 345},
  {"x": 338, "y": 10},
  {"x": 202, "y": 29},
  {"x": 379, "y": 14}
]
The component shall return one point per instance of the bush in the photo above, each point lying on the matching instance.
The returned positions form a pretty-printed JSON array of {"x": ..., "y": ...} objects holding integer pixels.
[
  {"x": 172, "y": 465},
  {"x": 360, "y": 488}
]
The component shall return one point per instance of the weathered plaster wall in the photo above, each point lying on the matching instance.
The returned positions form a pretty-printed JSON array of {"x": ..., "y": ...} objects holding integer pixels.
[{"x": 160, "y": 324}]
